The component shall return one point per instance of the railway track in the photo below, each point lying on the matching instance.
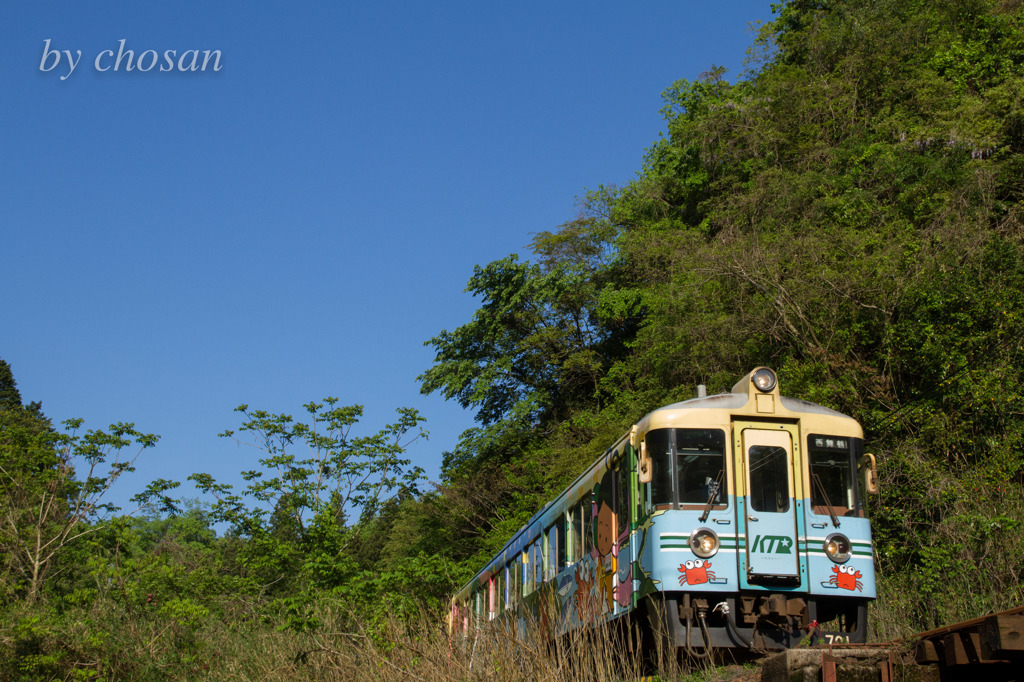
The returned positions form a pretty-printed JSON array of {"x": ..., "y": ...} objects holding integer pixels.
[
  {"x": 979, "y": 650},
  {"x": 987, "y": 648}
]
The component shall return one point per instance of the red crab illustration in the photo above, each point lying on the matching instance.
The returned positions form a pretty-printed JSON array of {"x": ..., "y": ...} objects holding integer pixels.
[
  {"x": 845, "y": 578},
  {"x": 695, "y": 572}
]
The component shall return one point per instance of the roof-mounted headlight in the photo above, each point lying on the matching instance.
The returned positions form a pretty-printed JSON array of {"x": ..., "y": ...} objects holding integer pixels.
[{"x": 765, "y": 380}]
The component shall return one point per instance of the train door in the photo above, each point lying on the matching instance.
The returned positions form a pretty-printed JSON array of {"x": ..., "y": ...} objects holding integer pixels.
[{"x": 768, "y": 505}]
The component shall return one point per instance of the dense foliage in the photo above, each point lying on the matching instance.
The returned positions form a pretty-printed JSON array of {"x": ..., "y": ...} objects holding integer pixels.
[{"x": 849, "y": 212}]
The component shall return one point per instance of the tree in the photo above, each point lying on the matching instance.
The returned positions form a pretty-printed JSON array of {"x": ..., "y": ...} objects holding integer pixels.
[
  {"x": 316, "y": 488},
  {"x": 542, "y": 339},
  {"x": 44, "y": 506}
]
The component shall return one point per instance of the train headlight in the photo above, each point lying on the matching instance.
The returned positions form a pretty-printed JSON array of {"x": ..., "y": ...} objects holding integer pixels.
[
  {"x": 765, "y": 380},
  {"x": 704, "y": 542},
  {"x": 837, "y": 547}
]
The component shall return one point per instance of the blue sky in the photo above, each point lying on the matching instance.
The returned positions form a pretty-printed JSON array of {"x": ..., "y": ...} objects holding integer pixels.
[{"x": 298, "y": 223}]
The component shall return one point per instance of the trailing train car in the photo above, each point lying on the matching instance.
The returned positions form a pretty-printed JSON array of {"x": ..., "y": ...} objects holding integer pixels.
[{"x": 736, "y": 520}]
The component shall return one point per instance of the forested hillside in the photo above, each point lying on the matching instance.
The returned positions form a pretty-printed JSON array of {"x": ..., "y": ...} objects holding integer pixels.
[{"x": 850, "y": 212}]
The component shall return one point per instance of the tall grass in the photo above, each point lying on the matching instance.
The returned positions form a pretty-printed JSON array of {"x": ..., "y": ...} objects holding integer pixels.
[{"x": 103, "y": 642}]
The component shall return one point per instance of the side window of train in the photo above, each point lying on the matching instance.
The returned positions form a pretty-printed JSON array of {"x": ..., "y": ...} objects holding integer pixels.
[
  {"x": 531, "y": 569},
  {"x": 550, "y": 551},
  {"x": 524, "y": 572},
  {"x": 688, "y": 467},
  {"x": 510, "y": 571},
  {"x": 833, "y": 470},
  {"x": 700, "y": 457},
  {"x": 493, "y": 594},
  {"x": 659, "y": 449},
  {"x": 587, "y": 515},
  {"x": 622, "y": 497},
  {"x": 560, "y": 556},
  {"x": 575, "y": 550},
  {"x": 499, "y": 591},
  {"x": 541, "y": 560},
  {"x": 527, "y": 569}
]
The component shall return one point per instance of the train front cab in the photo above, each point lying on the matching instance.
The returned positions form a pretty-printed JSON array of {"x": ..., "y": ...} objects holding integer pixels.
[{"x": 758, "y": 535}]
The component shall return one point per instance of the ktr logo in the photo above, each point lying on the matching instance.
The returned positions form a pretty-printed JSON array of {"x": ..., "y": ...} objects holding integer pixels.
[{"x": 772, "y": 544}]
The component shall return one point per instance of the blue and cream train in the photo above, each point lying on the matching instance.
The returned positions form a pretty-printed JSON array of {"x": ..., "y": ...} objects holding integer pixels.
[{"x": 736, "y": 520}]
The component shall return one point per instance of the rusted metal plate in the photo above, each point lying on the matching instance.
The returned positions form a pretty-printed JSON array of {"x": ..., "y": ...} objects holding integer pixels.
[{"x": 828, "y": 667}]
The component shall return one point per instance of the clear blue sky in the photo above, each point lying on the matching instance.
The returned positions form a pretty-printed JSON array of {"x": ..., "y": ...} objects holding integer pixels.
[{"x": 298, "y": 223}]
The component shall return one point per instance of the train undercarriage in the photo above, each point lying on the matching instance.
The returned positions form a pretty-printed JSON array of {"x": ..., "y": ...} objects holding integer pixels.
[{"x": 759, "y": 621}]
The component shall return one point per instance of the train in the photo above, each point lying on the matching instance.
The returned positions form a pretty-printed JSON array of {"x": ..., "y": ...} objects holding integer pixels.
[{"x": 734, "y": 521}]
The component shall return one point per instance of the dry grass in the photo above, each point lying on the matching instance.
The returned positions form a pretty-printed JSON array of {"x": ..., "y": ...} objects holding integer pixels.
[
  {"x": 421, "y": 651},
  {"x": 104, "y": 642}
]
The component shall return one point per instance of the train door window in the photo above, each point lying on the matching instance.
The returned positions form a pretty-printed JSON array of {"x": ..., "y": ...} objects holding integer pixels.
[
  {"x": 510, "y": 584},
  {"x": 513, "y": 583},
  {"x": 622, "y": 498},
  {"x": 538, "y": 563},
  {"x": 550, "y": 552},
  {"x": 833, "y": 475},
  {"x": 503, "y": 591},
  {"x": 575, "y": 537},
  {"x": 587, "y": 515},
  {"x": 560, "y": 540},
  {"x": 523, "y": 567},
  {"x": 531, "y": 572},
  {"x": 769, "y": 478},
  {"x": 527, "y": 570},
  {"x": 582, "y": 519},
  {"x": 499, "y": 591},
  {"x": 502, "y": 586}
]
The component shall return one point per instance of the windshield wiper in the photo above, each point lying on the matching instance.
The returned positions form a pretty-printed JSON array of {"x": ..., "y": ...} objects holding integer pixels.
[
  {"x": 824, "y": 495},
  {"x": 714, "y": 493}
]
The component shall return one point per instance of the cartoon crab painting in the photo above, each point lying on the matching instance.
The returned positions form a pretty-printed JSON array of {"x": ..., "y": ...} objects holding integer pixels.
[
  {"x": 845, "y": 578},
  {"x": 695, "y": 572}
]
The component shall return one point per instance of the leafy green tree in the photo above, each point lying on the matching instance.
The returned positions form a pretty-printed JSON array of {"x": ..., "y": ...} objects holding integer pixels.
[
  {"x": 542, "y": 339},
  {"x": 45, "y": 506},
  {"x": 317, "y": 487}
]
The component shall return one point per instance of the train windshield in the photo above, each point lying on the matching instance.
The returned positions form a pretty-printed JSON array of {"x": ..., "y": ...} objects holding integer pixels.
[
  {"x": 833, "y": 474},
  {"x": 688, "y": 466}
]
